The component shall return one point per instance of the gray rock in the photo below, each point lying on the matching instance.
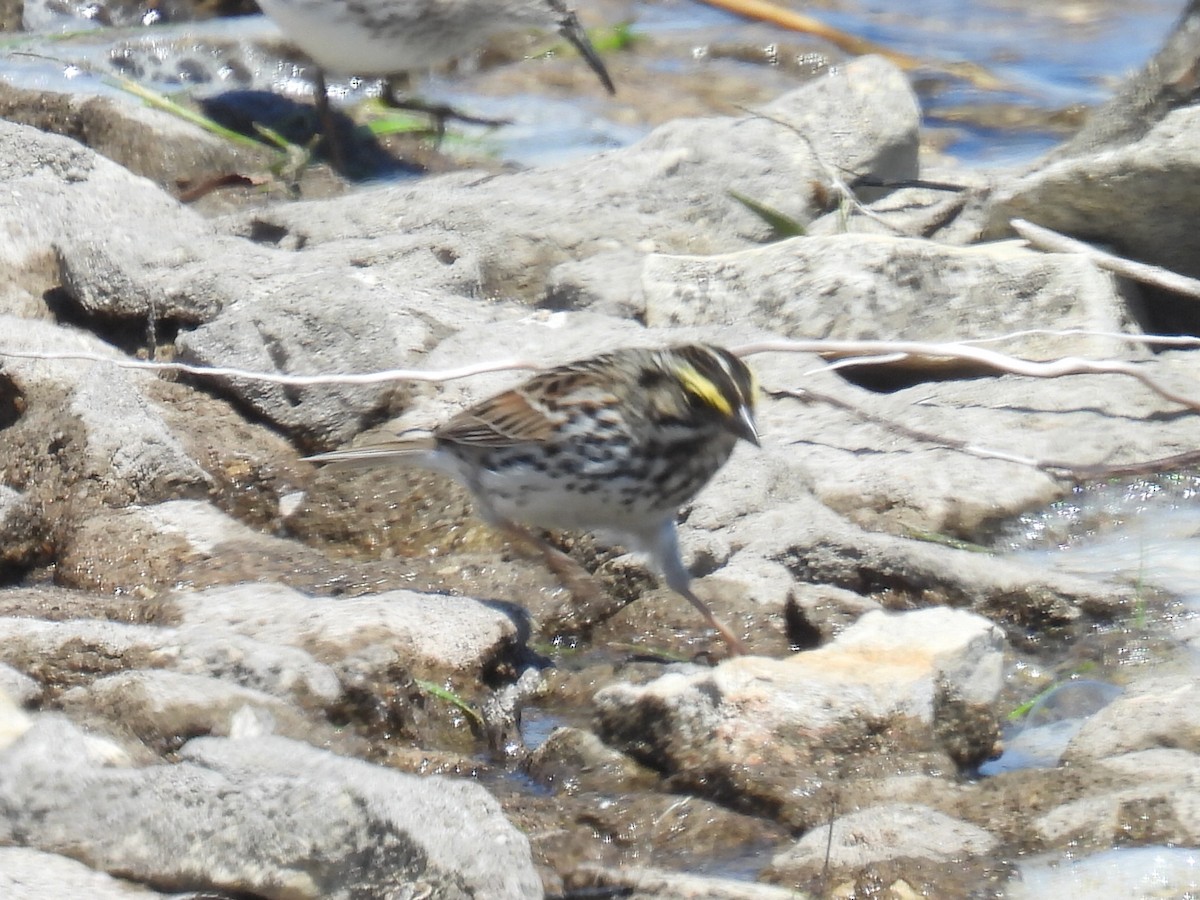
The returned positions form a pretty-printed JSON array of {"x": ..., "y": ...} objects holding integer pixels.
[
  {"x": 1162, "y": 712},
  {"x": 879, "y": 287},
  {"x": 164, "y": 708},
  {"x": 862, "y": 840},
  {"x": 1131, "y": 873},
  {"x": 321, "y": 329},
  {"x": 111, "y": 435},
  {"x": 263, "y": 816},
  {"x": 201, "y": 525},
  {"x": 669, "y": 192},
  {"x": 643, "y": 883},
  {"x": 912, "y": 845},
  {"x": 1167, "y": 82},
  {"x": 1139, "y": 753},
  {"x": 911, "y": 675},
  {"x": 282, "y": 671},
  {"x": 421, "y": 631},
  {"x": 1151, "y": 812},
  {"x": 18, "y": 687},
  {"x": 70, "y": 651},
  {"x": 84, "y": 201},
  {"x": 149, "y": 548},
  {"x": 1138, "y": 197},
  {"x": 125, "y": 430},
  {"x": 572, "y": 760},
  {"x": 31, "y": 337},
  {"x": 453, "y": 823},
  {"x": 13, "y": 722},
  {"x": 73, "y": 651},
  {"x": 814, "y": 545},
  {"x": 27, "y": 874},
  {"x": 151, "y": 143},
  {"x": 899, "y": 462}
]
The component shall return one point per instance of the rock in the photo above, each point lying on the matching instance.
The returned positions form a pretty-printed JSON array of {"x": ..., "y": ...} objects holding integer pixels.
[
  {"x": 669, "y": 193},
  {"x": 1163, "y": 712},
  {"x": 602, "y": 834},
  {"x": 642, "y": 883},
  {"x": 452, "y": 826},
  {"x": 73, "y": 651},
  {"x": 27, "y": 874},
  {"x": 282, "y": 671},
  {"x": 817, "y": 547},
  {"x": 13, "y": 722},
  {"x": 422, "y": 632},
  {"x": 125, "y": 429},
  {"x": 164, "y": 709},
  {"x": 123, "y": 550},
  {"x": 322, "y": 329},
  {"x": 572, "y": 760},
  {"x": 77, "y": 190},
  {"x": 1146, "y": 814},
  {"x": 1136, "y": 873},
  {"x": 20, "y": 540},
  {"x": 854, "y": 449},
  {"x": 266, "y": 817},
  {"x": 18, "y": 687},
  {"x": 70, "y": 652},
  {"x": 880, "y": 287},
  {"x": 148, "y": 142},
  {"x": 748, "y": 731},
  {"x": 1136, "y": 198},
  {"x": 925, "y": 848},
  {"x": 86, "y": 431},
  {"x": 149, "y": 549}
]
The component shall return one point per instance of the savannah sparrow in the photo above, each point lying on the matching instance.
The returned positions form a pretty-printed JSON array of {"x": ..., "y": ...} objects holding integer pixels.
[{"x": 614, "y": 444}]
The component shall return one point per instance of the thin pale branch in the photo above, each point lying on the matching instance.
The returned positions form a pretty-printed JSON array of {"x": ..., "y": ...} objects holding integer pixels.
[
  {"x": 276, "y": 377},
  {"x": 980, "y": 356},
  {"x": 855, "y": 353},
  {"x": 1153, "y": 340},
  {"x": 1155, "y": 276}
]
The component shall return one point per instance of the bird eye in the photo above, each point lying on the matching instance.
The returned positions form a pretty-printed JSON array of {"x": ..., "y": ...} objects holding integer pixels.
[{"x": 650, "y": 378}]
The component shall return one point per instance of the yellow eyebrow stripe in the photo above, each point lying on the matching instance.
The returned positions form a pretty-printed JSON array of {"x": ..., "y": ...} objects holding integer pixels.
[{"x": 695, "y": 383}]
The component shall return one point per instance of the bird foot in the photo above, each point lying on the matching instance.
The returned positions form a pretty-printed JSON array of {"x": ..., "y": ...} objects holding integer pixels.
[{"x": 439, "y": 113}]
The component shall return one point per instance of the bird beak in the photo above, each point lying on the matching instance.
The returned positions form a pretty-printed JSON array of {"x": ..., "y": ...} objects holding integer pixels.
[
  {"x": 742, "y": 424},
  {"x": 570, "y": 28}
]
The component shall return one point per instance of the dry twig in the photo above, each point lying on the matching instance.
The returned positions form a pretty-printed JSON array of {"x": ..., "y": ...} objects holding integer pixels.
[{"x": 1155, "y": 276}]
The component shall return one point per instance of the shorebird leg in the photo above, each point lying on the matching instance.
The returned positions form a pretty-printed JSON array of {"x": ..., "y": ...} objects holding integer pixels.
[
  {"x": 439, "y": 113},
  {"x": 328, "y": 124}
]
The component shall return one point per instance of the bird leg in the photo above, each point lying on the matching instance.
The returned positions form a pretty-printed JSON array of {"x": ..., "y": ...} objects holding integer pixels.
[
  {"x": 663, "y": 545},
  {"x": 440, "y": 113},
  {"x": 325, "y": 117},
  {"x": 591, "y": 603},
  {"x": 732, "y": 641}
]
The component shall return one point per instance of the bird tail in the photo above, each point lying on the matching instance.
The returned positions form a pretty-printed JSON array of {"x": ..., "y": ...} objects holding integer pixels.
[{"x": 414, "y": 450}]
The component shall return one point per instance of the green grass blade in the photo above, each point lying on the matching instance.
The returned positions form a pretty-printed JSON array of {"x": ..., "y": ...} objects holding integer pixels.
[
  {"x": 452, "y": 698},
  {"x": 781, "y": 225}
]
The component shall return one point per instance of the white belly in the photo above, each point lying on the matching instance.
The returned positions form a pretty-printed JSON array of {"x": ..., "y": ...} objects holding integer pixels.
[
  {"x": 336, "y": 41},
  {"x": 532, "y": 500}
]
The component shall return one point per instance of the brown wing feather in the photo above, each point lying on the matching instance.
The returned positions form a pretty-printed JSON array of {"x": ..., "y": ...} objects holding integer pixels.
[{"x": 505, "y": 420}]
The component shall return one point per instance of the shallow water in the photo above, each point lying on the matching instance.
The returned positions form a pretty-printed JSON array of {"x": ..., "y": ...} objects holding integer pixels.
[
  {"x": 1143, "y": 532},
  {"x": 1128, "y": 873}
]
